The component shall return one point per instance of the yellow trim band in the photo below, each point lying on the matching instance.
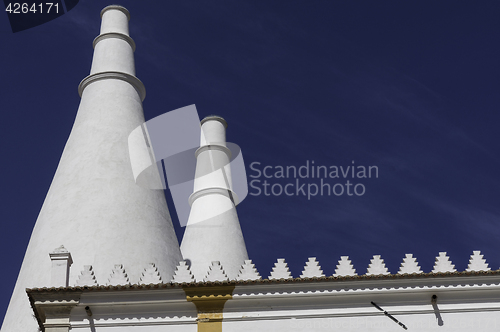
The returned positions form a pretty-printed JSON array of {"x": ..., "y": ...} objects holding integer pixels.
[{"x": 209, "y": 302}]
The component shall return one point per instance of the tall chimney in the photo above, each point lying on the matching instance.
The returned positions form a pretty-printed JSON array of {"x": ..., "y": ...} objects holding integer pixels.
[
  {"x": 213, "y": 231},
  {"x": 93, "y": 205}
]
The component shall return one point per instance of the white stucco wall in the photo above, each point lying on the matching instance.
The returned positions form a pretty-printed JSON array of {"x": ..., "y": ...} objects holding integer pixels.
[
  {"x": 93, "y": 206},
  {"x": 213, "y": 231}
]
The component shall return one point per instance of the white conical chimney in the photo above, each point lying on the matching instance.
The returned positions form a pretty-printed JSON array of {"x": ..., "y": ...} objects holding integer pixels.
[
  {"x": 213, "y": 231},
  {"x": 93, "y": 207}
]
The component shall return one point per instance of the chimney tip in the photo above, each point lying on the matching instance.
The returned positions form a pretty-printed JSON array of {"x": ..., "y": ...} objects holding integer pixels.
[
  {"x": 214, "y": 118},
  {"x": 118, "y": 7}
]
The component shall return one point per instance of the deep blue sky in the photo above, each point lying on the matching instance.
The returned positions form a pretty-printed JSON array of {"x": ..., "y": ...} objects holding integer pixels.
[{"x": 411, "y": 88}]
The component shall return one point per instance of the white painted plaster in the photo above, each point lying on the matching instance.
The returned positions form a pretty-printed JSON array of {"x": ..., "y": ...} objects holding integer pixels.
[
  {"x": 280, "y": 270},
  {"x": 93, "y": 205},
  {"x": 213, "y": 232},
  {"x": 61, "y": 262}
]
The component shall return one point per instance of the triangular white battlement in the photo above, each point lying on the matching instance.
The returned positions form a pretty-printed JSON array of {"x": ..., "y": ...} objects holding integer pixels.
[
  {"x": 377, "y": 266},
  {"x": 248, "y": 271},
  {"x": 216, "y": 273},
  {"x": 443, "y": 264},
  {"x": 183, "y": 273},
  {"x": 477, "y": 262},
  {"x": 409, "y": 265},
  {"x": 312, "y": 269},
  {"x": 280, "y": 270},
  {"x": 345, "y": 268},
  {"x": 87, "y": 277},
  {"x": 118, "y": 276},
  {"x": 151, "y": 275}
]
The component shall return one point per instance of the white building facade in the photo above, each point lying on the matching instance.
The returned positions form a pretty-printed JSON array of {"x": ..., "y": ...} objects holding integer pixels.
[
  {"x": 441, "y": 300},
  {"x": 103, "y": 255}
]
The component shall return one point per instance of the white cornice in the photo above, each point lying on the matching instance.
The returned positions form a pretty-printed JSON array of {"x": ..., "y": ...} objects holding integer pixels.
[
  {"x": 118, "y": 35},
  {"x": 134, "y": 81}
]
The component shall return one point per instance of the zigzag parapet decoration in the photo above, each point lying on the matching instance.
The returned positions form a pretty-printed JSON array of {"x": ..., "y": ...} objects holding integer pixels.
[
  {"x": 118, "y": 276},
  {"x": 377, "y": 267},
  {"x": 477, "y": 262},
  {"x": 345, "y": 268},
  {"x": 312, "y": 269},
  {"x": 216, "y": 273},
  {"x": 151, "y": 275},
  {"x": 87, "y": 277},
  {"x": 409, "y": 265},
  {"x": 443, "y": 264},
  {"x": 248, "y": 272},
  {"x": 183, "y": 273},
  {"x": 280, "y": 271}
]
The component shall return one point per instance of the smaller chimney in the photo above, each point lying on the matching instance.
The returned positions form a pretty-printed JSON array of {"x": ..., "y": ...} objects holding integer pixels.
[
  {"x": 213, "y": 231},
  {"x": 61, "y": 262}
]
